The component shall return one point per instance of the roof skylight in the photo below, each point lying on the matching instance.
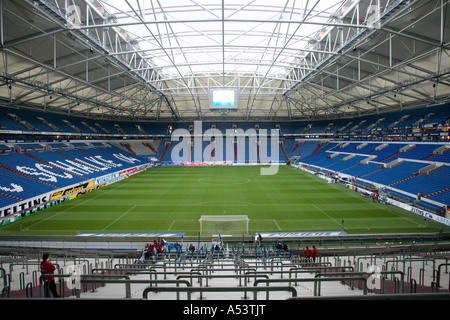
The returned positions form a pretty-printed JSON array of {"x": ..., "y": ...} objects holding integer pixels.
[{"x": 188, "y": 37}]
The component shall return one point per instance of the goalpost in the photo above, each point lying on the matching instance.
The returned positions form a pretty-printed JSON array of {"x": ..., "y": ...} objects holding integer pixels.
[{"x": 224, "y": 224}]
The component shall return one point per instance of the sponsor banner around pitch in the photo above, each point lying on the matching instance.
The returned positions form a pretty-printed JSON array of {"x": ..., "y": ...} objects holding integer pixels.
[
  {"x": 49, "y": 199},
  {"x": 420, "y": 212},
  {"x": 301, "y": 234},
  {"x": 84, "y": 191},
  {"x": 31, "y": 205},
  {"x": 132, "y": 235},
  {"x": 68, "y": 191}
]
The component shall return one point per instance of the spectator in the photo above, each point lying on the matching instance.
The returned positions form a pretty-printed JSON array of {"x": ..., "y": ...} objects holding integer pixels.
[
  {"x": 307, "y": 253},
  {"x": 147, "y": 251},
  {"x": 259, "y": 239},
  {"x": 156, "y": 246},
  {"x": 279, "y": 246},
  {"x": 314, "y": 253},
  {"x": 49, "y": 282}
]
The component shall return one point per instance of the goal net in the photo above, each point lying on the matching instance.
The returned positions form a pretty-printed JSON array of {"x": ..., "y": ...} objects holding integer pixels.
[{"x": 224, "y": 224}]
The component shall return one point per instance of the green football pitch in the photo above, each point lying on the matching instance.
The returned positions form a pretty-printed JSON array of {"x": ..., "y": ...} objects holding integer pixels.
[{"x": 172, "y": 199}]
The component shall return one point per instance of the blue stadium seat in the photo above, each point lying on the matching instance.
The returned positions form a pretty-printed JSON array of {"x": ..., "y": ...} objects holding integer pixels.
[
  {"x": 390, "y": 176},
  {"x": 427, "y": 184}
]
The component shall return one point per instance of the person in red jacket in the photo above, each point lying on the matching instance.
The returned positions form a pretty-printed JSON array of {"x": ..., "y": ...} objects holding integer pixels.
[
  {"x": 48, "y": 268},
  {"x": 314, "y": 253},
  {"x": 307, "y": 253}
]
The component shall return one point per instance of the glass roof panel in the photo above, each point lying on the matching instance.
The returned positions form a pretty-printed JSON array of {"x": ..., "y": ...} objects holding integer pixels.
[{"x": 255, "y": 37}]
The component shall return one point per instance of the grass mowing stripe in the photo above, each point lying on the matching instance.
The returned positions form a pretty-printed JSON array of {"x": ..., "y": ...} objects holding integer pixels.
[
  {"x": 315, "y": 206},
  {"x": 119, "y": 218},
  {"x": 172, "y": 199}
]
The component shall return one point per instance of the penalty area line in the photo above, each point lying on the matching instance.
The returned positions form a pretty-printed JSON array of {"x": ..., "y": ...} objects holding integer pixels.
[
  {"x": 173, "y": 222},
  {"x": 277, "y": 224}
]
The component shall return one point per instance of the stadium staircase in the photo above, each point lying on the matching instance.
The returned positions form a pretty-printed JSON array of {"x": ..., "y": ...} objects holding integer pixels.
[
  {"x": 163, "y": 153},
  {"x": 242, "y": 273},
  {"x": 437, "y": 192},
  {"x": 368, "y": 174},
  {"x": 128, "y": 148},
  {"x": 151, "y": 147},
  {"x": 284, "y": 152},
  {"x": 390, "y": 157},
  {"x": 319, "y": 145},
  {"x": 295, "y": 147}
]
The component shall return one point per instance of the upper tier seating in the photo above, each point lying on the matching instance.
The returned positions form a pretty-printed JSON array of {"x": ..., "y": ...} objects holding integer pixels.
[
  {"x": 34, "y": 121},
  {"x": 418, "y": 152}
]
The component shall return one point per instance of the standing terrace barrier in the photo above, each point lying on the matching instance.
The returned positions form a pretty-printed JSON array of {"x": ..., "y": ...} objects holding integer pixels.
[
  {"x": 192, "y": 274},
  {"x": 401, "y": 281},
  {"x": 90, "y": 278},
  {"x": 421, "y": 271},
  {"x": 255, "y": 290},
  {"x": 316, "y": 281},
  {"x": 61, "y": 286},
  {"x": 401, "y": 296},
  {"x": 438, "y": 276},
  {"x": 222, "y": 276},
  {"x": 150, "y": 271}
]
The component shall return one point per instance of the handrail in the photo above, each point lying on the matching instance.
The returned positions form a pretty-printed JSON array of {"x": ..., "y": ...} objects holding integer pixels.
[
  {"x": 298, "y": 270},
  {"x": 165, "y": 264},
  {"x": 220, "y": 276},
  {"x": 219, "y": 289},
  {"x": 100, "y": 279},
  {"x": 123, "y": 270},
  {"x": 411, "y": 259},
  {"x": 315, "y": 280},
  {"x": 403, "y": 296},
  {"x": 223, "y": 269},
  {"x": 402, "y": 275},
  {"x": 128, "y": 283},
  {"x": 146, "y": 270},
  {"x": 312, "y": 269},
  {"x": 11, "y": 265},
  {"x": 41, "y": 281},
  {"x": 438, "y": 278},
  {"x": 423, "y": 260},
  {"x": 208, "y": 269},
  {"x": 200, "y": 277},
  {"x": 3, "y": 276}
]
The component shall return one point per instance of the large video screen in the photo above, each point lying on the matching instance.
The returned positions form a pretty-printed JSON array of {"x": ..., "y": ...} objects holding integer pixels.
[{"x": 223, "y": 99}]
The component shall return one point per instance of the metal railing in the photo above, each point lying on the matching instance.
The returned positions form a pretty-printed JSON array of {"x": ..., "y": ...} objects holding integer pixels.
[
  {"x": 96, "y": 279},
  {"x": 316, "y": 281},
  {"x": 204, "y": 270},
  {"x": 190, "y": 290},
  {"x": 404, "y": 296}
]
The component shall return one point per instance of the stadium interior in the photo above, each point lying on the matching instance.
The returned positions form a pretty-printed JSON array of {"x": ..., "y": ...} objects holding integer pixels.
[{"x": 354, "y": 91}]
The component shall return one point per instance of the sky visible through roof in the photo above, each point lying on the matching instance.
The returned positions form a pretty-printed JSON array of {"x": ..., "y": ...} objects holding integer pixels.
[{"x": 188, "y": 37}]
